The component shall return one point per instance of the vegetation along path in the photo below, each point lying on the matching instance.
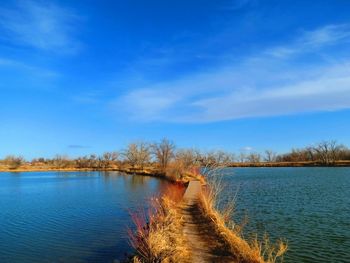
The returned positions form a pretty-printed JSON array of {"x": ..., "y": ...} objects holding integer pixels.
[{"x": 205, "y": 245}]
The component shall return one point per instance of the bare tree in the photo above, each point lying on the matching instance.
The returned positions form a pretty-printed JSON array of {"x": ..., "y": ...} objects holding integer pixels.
[
  {"x": 336, "y": 151},
  {"x": 188, "y": 157},
  {"x": 82, "y": 162},
  {"x": 164, "y": 152},
  {"x": 310, "y": 153},
  {"x": 270, "y": 156},
  {"x": 254, "y": 158},
  {"x": 61, "y": 161},
  {"x": 93, "y": 161},
  {"x": 328, "y": 151},
  {"x": 218, "y": 157},
  {"x": 242, "y": 157},
  {"x": 183, "y": 162},
  {"x": 213, "y": 163},
  {"x": 108, "y": 158},
  {"x": 344, "y": 154},
  {"x": 131, "y": 154},
  {"x": 138, "y": 154},
  {"x": 14, "y": 161}
]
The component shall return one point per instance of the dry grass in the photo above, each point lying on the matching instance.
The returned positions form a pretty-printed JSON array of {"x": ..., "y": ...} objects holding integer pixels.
[
  {"x": 160, "y": 240},
  {"x": 177, "y": 171},
  {"x": 254, "y": 251}
]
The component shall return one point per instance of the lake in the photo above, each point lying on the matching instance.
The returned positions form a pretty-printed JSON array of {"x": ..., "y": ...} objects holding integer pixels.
[
  {"x": 69, "y": 216},
  {"x": 310, "y": 207},
  {"x": 84, "y": 216}
]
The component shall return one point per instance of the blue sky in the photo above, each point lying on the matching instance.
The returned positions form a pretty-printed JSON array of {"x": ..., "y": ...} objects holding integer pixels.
[{"x": 78, "y": 77}]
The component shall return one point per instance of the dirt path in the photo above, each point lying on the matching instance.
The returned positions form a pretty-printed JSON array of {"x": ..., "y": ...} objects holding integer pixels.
[{"x": 205, "y": 244}]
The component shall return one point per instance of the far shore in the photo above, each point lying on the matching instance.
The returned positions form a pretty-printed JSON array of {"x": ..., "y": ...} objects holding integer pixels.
[
  {"x": 345, "y": 163},
  {"x": 145, "y": 171},
  {"x": 150, "y": 171}
]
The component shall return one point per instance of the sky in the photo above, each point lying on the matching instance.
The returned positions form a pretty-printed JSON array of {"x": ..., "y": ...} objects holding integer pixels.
[{"x": 80, "y": 77}]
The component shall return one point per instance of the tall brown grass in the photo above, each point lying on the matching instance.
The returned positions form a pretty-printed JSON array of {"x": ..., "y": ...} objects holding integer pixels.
[
  {"x": 178, "y": 171},
  {"x": 158, "y": 236},
  {"x": 253, "y": 251}
]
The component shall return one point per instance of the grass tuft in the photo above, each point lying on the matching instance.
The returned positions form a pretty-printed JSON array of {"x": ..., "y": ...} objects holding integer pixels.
[{"x": 158, "y": 237}]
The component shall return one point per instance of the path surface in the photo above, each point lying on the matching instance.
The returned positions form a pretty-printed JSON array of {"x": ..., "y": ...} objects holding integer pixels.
[{"x": 205, "y": 244}]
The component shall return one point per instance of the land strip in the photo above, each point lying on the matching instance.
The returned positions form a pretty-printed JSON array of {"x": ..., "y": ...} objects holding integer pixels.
[
  {"x": 153, "y": 171},
  {"x": 203, "y": 242}
]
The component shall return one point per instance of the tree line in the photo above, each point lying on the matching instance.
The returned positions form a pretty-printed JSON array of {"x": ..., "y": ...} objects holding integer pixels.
[{"x": 168, "y": 158}]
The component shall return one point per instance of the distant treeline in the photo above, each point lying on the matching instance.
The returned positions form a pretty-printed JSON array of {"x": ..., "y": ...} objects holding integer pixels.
[
  {"x": 323, "y": 153},
  {"x": 164, "y": 154}
]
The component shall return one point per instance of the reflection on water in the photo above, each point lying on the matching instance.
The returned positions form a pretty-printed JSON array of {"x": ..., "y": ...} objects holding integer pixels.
[
  {"x": 69, "y": 216},
  {"x": 310, "y": 207},
  {"x": 137, "y": 181}
]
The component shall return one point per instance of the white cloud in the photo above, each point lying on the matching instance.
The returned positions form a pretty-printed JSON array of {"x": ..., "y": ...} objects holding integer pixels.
[
  {"x": 41, "y": 25},
  {"x": 147, "y": 104},
  {"x": 329, "y": 34},
  {"x": 262, "y": 85},
  {"x": 310, "y": 41},
  {"x": 329, "y": 91}
]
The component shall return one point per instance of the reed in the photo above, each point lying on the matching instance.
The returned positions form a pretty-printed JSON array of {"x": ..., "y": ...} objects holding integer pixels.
[{"x": 158, "y": 237}]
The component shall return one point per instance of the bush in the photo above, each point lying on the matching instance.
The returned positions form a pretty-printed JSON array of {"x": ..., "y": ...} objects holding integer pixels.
[{"x": 14, "y": 161}]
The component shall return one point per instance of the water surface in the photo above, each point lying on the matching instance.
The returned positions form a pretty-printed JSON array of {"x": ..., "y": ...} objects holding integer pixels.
[
  {"x": 70, "y": 216},
  {"x": 310, "y": 207}
]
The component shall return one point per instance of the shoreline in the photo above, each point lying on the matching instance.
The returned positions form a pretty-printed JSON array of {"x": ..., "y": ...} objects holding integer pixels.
[
  {"x": 153, "y": 172},
  {"x": 145, "y": 171},
  {"x": 156, "y": 173}
]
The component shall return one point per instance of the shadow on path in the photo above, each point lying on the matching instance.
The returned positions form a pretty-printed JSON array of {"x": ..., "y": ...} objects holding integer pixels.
[{"x": 205, "y": 244}]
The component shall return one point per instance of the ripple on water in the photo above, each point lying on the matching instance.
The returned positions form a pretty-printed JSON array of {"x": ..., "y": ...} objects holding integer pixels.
[
  {"x": 70, "y": 217},
  {"x": 310, "y": 207}
]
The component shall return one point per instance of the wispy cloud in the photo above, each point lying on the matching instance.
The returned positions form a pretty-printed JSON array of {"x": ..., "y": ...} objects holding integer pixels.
[
  {"x": 264, "y": 84},
  {"x": 329, "y": 91},
  {"x": 148, "y": 104},
  {"x": 39, "y": 24},
  {"x": 310, "y": 41}
]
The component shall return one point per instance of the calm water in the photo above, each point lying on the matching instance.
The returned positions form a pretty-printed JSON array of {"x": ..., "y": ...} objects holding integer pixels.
[
  {"x": 69, "y": 217},
  {"x": 310, "y": 207},
  {"x": 82, "y": 216}
]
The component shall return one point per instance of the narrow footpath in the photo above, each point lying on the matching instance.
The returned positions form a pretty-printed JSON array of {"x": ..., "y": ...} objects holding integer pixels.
[{"x": 205, "y": 245}]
